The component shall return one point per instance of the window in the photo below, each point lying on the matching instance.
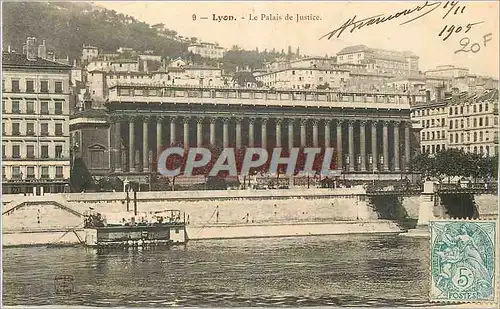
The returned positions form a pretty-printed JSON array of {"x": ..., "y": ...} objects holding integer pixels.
[
  {"x": 423, "y": 136},
  {"x": 480, "y": 108},
  {"x": 30, "y": 129},
  {"x": 30, "y": 86},
  {"x": 456, "y": 110},
  {"x": 468, "y": 123},
  {"x": 475, "y": 136},
  {"x": 15, "y": 129},
  {"x": 474, "y": 108},
  {"x": 451, "y": 124},
  {"x": 438, "y": 134},
  {"x": 486, "y": 122},
  {"x": 45, "y": 172},
  {"x": 15, "y": 107},
  {"x": 461, "y": 110},
  {"x": 456, "y": 137},
  {"x": 59, "y": 171},
  {"x": 468, "y": 136},
  {"x": 30, "y": 172},
  {"x": 475, "y": 122},
  {"x": 462, "y": 137},
  {"x": 58, "y": 108},
  {"x": 44, "y": 129},
  {"x": 44, "y": 108},
  {"x": 16, "y": 172},
  {"x": 59, "y": 150},
  {"x": 59, "y": 131},
  {"x": 30, "y": 107},
  {"x": 44, "y": 151},
  {"x": 3, "y": 151},
  {"x": 16, "y": 151},
  {"x": 486, "y": 109},
  {"x": 433, "y": 135},
  {"x": 456, "y": 123},
  {"x": 58, "y": 87},
  {"x": 427, "y": 123},
  {"x": 443, "y": 122},
  {"x": 432, "y": 122},
  {"x": 428, "y": 135},
  {"x": 44, "y": 86},
  {"x": 481, "y": 121},
  {"x": 15, "y": 86},
  {"x": 462, "y": 123},
  {"x": 486, "y": 135},
  {"x": 451, "y": 138},
  {"x": 451, "y": 111},
  {"x": 30, "y": 151},
  {"x": 481, "y": 136}
]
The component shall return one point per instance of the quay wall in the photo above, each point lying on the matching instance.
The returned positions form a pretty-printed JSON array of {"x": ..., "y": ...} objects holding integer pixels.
[{"x": 218, "y": 231}]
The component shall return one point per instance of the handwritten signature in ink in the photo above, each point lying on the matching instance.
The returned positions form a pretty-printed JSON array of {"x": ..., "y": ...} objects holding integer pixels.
[{"x": 424, "y": 9}]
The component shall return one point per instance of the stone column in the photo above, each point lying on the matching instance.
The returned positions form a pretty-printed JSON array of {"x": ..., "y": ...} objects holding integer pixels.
[
  {"x": 212, "y": 131},
  {"x": 303, "y": 123},
  {"x": 238, "y": 133},
  {"x": 159, "y": 136},
  {"x": 145, "y": 144},
  {"x": 407, "y": 125},
  {"x": 264, "y": 132},
  {"x": 315, "y": 133},
  {"x": 385, "y": 142},
  {"x": 374, "y": 145},
  {"x": 290, "y": 133},
  {"x": 117, "y": 147},
  {"x": 225, "y": 132},
  {"x": 199, "y": 130},
  {"x": 186, "y": 132},
  {"x": 172, "y": 130},
  {"x": 278, "y": 132},
  {"x": 131, "y": 144},
  {"x": 327, "y": 133},
  {"x": 339, "y": 144},
  {"x": 350, "y": 127},
  {"x": 251, "y": 137},
  {"x": 396, "y": 145},
  {"x": 362, "y": 144}
]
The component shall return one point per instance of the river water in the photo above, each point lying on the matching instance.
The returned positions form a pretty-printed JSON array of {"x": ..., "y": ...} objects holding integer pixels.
[{"x": 343, "y": 270}]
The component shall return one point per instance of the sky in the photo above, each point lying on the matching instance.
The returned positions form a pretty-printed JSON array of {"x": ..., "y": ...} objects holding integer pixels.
[{"x": 420, "y": 36}]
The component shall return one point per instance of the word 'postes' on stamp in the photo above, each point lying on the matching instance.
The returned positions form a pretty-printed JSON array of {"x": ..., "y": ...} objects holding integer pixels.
[{"x": 463, "y": 254}]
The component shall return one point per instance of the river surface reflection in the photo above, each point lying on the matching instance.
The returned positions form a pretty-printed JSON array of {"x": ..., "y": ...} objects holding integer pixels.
[{"x": 300, "y": 271}]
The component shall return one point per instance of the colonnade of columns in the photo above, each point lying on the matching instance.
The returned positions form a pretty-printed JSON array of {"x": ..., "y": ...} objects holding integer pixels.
[{"x": 355, "y": 157}]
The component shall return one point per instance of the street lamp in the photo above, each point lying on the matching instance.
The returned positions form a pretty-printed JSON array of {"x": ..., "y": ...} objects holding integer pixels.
[
  {"x": 370, "y": 161},
  {"x": 381, "y": 164}
]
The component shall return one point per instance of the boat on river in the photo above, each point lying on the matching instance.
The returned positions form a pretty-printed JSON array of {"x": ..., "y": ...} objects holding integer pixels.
[{"x": 132, "y": 229}]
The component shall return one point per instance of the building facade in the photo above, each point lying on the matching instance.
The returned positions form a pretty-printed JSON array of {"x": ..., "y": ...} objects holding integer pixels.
[
  {"x": 207, "y": 50},
  {"x": 305, "y": 78},
  {"x": 465, "y": 121},
  {"x": 380, "y": 60},
  {"x": 35, "y": 124},
  {"x": 371, "y": 132}
]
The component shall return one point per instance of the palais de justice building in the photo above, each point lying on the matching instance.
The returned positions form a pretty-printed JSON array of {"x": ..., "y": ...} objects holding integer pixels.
[{"x": 371, "y": 132}]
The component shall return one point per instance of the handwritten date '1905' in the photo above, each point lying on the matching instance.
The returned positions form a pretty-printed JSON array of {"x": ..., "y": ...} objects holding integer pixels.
[{"x": 448, "y": 30}]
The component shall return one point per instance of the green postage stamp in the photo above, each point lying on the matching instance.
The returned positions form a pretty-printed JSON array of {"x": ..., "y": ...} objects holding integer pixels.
[{"x": 463, "y": 260}]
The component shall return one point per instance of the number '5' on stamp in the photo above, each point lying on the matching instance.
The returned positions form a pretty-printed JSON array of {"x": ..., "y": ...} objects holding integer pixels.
[{"x": 463, "y": 260}]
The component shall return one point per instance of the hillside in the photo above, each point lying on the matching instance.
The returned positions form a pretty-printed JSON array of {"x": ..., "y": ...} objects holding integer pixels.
[{"x": 67, "y": 26}]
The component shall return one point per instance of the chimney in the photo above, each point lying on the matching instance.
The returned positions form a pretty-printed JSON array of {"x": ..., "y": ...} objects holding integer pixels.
[
  {"x": 24, "y": 49},
  {"x": 42, "y": 50},
  {"x": 8, "y": 49},
  {"x": 31, "y": 48},
  {"x": 74, "y": 63}
]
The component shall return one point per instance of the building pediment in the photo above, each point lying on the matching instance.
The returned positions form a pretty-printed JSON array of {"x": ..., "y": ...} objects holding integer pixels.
[{"x": 97, "y": 147}]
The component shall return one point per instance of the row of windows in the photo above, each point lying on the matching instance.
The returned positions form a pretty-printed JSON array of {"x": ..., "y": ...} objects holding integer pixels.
[
  {"x": 476, "y": 122},
  {"x": 476, "y": 137},
  {"x": 482, "y": 150},
  {"x": 30, "y": 130},
  {"x": 30, "y": 86},
  {"x": 30, "y": 107},
  {"x": 433, "y": 123},
  {"x": 29, "y": 172},
  {"x": 433, "y": 135},
  {"x": 454, "y": 110},
  {"x": 30, "y": 152}
]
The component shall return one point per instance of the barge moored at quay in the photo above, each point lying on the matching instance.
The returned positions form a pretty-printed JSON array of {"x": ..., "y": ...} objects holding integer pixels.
[{"x": 125, "y": 230}]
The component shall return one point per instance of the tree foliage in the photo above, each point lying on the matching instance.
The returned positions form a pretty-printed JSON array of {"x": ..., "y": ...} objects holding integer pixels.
[{"x": 456, "y": 163}]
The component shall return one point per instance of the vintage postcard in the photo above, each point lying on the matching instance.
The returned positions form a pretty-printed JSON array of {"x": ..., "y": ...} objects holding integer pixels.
[{"x": 250, "y": 154}]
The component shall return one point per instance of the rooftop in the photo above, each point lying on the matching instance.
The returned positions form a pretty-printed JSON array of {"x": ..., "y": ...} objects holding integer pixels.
[{"x": 20, "y": 60}]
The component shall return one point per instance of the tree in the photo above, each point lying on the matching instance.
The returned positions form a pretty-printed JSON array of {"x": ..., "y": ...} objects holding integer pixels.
[{"x": 81, "y": 179}]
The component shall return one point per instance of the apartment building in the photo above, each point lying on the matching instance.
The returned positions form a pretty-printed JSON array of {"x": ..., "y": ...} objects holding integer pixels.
[
  {"x": 466, "y": 121},
  {"x": 35, "y": 124}
]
